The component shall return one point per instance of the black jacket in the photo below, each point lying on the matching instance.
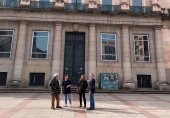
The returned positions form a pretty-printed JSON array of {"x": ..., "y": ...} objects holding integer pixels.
[
  {"x": 66, "y": 87},
  {"x": 82, "y": 86},
  {"x": 54, "y": 87},
  {"x": 92, "y": 85}
]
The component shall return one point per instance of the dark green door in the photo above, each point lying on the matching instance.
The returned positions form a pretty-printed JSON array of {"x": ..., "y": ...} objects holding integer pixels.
[{"x": 74, "y": 57}]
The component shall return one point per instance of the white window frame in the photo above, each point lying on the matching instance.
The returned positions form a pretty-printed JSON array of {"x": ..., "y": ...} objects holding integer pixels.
[
  {"x": 148, "y": 47},
  {"x": 32, "y": 44},
  {"x": 115, "y": 46},
  {"x": 11, "y": 43}
]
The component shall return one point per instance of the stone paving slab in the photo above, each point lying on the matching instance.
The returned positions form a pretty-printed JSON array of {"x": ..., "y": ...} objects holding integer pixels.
[{"x": 37, "y": 105}]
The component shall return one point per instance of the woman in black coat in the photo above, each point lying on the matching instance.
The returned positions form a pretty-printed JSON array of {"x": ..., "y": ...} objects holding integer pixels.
[{"x": 82, "y": 86}]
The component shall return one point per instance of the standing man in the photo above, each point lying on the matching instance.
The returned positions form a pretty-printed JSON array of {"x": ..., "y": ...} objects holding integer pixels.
[
  {"x": 55, "y": 91},
  {"x": 92, "y": 91}
]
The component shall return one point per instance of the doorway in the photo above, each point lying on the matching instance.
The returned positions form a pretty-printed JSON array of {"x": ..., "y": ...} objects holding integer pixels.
[
  {"x": 144, "y": 81},
  {"x": 74, "y": 57}
]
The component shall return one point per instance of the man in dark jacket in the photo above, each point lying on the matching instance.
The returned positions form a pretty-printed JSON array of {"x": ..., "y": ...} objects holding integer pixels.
[
  {"x": 55, "y": 91},
  {"x": 92, "y": 91}
]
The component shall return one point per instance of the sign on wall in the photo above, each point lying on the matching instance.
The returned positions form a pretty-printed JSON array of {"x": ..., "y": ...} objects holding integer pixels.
[{"x": 109, "y": 81}]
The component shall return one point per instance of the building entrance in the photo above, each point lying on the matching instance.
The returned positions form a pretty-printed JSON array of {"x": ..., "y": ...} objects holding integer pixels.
[{"x": 74, "y": 57}]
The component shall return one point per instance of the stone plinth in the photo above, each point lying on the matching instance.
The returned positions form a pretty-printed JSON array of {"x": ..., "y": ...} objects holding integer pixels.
[
  {"x": 59, "y": 5},
  {"x": 124, "y": 5},
  {"x": 128, "y": 85},
  {"x": 162, "y": 85},
  {"x": 92, "y": 5},
  {"x": 25, "y": 2}
]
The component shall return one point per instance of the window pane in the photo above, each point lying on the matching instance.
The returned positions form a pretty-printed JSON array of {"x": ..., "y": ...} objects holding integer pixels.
[
  {"x": 4, "y": 55},
  {"x": 40, "y": 44},
  {"x": 39, "y": 55},
  {"x": 41, "y": 34},
  {"x": 145, "y": 38},
  {"x": 108, "y": 36},
  {"x": 141, "y": 48},
  {"x": 137, "y": 2},
  {"x": 76, "y": 1},
  {"x": 107, "y": 2},
  {"x": 146, "y": 48},
  {"x": 108, "y": 46},
  {"x": 139, "y": 58},
  {"x": 5, "y": 43},
  {"x": 135, "y": 37},
  {"x": 108, "y": 57},
  {"x": 6, "y": 32}
]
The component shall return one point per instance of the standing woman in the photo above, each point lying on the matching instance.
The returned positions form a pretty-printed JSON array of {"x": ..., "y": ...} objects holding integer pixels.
[
  {"x": 66, "y": 84},
  {"x": 82, "y": 86}
]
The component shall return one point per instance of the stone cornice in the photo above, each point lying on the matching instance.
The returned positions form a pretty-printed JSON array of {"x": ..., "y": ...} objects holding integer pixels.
[{"x": 86, "y": 18}]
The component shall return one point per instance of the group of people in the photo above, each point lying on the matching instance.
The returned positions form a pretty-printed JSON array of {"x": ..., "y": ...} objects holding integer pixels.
[{"x": 82, "y": 87}]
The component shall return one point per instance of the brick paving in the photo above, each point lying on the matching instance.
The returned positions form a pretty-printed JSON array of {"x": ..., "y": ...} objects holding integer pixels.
[{"x": 37, "y": 105}]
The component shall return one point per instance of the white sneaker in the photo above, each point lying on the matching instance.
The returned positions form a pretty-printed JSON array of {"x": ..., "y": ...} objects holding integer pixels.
[
  {"x": 70, "y": 105},
  {"x": 65, "y": 105}
]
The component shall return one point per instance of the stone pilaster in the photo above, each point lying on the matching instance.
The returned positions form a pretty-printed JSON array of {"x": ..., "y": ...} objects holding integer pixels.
[
  {"x": 92, "y": 50},
  {"x": 56, "y": 60},
  {"x": 127, "y": 69},
  {"x": 20, "y": 52},
  {"x": 161, "y": 74},
  {"x": 160, "y": 55}
]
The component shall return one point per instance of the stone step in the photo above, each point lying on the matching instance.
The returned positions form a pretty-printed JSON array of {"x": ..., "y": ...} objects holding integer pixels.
[{"x": 74, "y": 90}]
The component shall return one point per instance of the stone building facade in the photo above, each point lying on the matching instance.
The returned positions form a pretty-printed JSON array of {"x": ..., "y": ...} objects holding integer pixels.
[{"x": 41, "y": 37}]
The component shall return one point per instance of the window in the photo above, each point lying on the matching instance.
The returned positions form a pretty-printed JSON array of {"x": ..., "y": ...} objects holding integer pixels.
[
  {"x": 141, "y": 45},
  {"x": 6, "y": 37},
  {"x": 108, "y": 46},
  {"x": 76, "y": 1},
  {"x": 37, "y": 79},
  {"x": 40, "y": 44},
  {"x": 3, "y": 77},
  {"x": 144, "y": 81},
  {"x": 107, "y": 2},
  {"x": 137, "y": 2}
]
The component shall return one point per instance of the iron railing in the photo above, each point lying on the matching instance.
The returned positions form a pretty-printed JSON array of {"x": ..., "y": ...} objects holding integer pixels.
[
  {"x": 9, "y": 3},
  {"x": 147, "y": 10},
  {"x": 109, "y": 8},
  {"x": 42, "y": 5},
  {"x": 76, "y": 7},
  {"x": 140, "y": 10}
]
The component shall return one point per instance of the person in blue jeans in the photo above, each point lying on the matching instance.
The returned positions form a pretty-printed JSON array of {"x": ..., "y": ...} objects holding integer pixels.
[
  {"x": 66, "y": 85},
  {"x": 92, "y": 91}
]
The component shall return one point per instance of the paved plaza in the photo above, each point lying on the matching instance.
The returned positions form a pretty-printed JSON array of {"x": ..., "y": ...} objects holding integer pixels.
[{"x": 37, "y": 105}]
